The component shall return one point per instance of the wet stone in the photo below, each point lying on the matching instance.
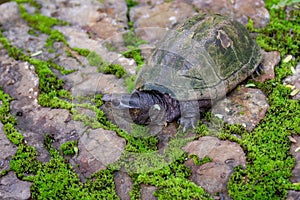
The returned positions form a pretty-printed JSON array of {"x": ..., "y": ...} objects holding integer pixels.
[
  {"x": 293, "y": 195},
  {"x": 270, "y": 60},
  {"x": 97, "y": 149},
  {"x": 238, "y": 9},
  {"x": 245, "y": 106},
  {"x": 91, "y": 82},
  {"x": 147, "y": 192},
  {"x": 78, "y": 38},
  {"x": 7, "y": 150},
  {"x": 13, "y": 189},
  {"x": 214, "y": 176},
  {"x": 73, "y": 11},
  {"x": 150, "y": 19},
  {"x": 123, "y": 185},
  {"x": 9, "y": 12},
  {"x": 294, "y": 150}
]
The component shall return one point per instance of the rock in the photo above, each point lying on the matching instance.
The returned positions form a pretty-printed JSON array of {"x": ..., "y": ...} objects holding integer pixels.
[
  {"x": 80, "y": 39},
  {"x": 18, "y": 36},
  {"x": 147, "y": 192},
  {"x": 245, "y": 106},
  {"x": 9, "y": 12},
  {"x": 14, "y": 189},
  {"x": 73, "y": 12},
  {"x": 123, "y": 185},
  {"x": 270, "y": 60},
  {"x": 112, "y": 20},
  {"x": 238, "y": 9},
  {"x": 293, "y": 82},
  {"x": 92, "y": 82},
  {"x": 214, "y": 176},
  {"x": 294, "y": 151},
  {"x": 150, "y": 19},
  {"x": 296, "y": 171},
  {"x": 97, "y": 149},
  {"x": 7, "y": 150},
  {"x": 293, "y": 195}
]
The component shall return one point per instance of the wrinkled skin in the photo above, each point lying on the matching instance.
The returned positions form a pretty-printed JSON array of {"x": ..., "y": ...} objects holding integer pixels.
[{"x": 147, "y": 107}]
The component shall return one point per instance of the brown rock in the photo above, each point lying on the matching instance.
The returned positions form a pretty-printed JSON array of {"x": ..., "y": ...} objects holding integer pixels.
[
  {"x": 12, "y": 188},
  {"x": 238, "y": 9},
  {"x": 97, "y": 148},
  {"x": 147, "y": 192},
  {"x": 7, "y": 150},
  {"x": 270, "y": 60},
  {"x": 214, "y": 176},
  {"x": 123, "y": 185},
  {"x": 150, "y": 19},
  {"x": 245, "y": 106}
]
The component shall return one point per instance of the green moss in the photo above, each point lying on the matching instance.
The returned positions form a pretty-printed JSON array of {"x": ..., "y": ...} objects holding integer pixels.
[
  {"x": 13, "y": 134},
  {"x": 198, "y": 161},
  {"x": 115, "y": 69},
  {"x": 69, "y": 148},
  {"x": 40, "y": 22},
  {"x": 132, "y": 40},
  {"x": 101, "y": 186},
  {"x": 24, "y": 161},
  {"x": 130, "y": 83},
  {"x": 135, "y": 53},
  {"x": 269, "y": 163},
  {"x": 6, "y": 117},
  {"x": 3, "y": 173},
  {"x": 107, "y": 68},
  {"x": 82, "y": 52},
  {"x": 171, "y": 182}
]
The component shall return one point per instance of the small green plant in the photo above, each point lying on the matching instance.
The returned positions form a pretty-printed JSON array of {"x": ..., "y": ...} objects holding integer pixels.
[
  {"x": 115, "y": 69},
  {"x": 69, "y": 148},
  {"x": 198, "y": 161}
]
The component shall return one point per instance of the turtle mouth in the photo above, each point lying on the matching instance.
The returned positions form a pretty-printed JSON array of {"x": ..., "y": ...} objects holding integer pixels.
[
  {"x": 121, "y": 101},
  {"x": 128, "y": 105}
]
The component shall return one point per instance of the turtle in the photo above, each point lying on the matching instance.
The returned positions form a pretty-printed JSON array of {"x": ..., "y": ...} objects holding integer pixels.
[{"x": 194, "y": 66}]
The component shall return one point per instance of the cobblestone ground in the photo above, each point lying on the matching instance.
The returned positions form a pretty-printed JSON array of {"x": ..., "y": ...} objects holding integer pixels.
[{"x": 56, "y": 60}]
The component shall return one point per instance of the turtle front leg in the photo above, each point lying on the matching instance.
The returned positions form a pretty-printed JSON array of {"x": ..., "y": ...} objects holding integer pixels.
[{"x": 190, "y": 114}]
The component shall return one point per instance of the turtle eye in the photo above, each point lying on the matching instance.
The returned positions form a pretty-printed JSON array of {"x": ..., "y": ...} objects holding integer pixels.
[{"x": 115, "y": 102}]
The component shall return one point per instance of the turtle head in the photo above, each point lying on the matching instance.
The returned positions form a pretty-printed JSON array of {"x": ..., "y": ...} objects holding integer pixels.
[{"x": 138, "y": 104}]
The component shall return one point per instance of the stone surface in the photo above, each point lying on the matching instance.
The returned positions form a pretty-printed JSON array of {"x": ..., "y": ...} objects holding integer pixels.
[
  {"x": 293, "y": 195},
  {"x": 270, "y": 60},
  {"x": 213, "y": 176},
  {"x": 13, "y": 189},
  {"x": 238, "y": 9},
  {"x": 147, "y": 192},
  {"x": 245, "y": 106},
  {"x": 294, "y": 150},
  {"x": 9, "y": 12},
  {"x": 123, "y": 185},
  {"x": 98, "y": 148},
  {"x": 7, "y": 150},
  {"x": 91, "y": 82},
  {"x": 93, "y": 24},
  {"x": 149, "y": 20},
  {"x": 104, "y": 145}
]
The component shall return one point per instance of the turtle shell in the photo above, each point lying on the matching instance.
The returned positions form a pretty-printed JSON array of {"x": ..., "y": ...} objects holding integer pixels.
[{"x": 204, "y": 58}]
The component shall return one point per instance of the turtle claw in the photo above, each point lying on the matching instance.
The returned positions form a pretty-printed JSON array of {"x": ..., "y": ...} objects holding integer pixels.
[{"x": 188, "y": 123}]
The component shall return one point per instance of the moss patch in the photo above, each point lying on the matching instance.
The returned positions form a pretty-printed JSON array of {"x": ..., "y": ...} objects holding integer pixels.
[{"x": 269, "y": 163}]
